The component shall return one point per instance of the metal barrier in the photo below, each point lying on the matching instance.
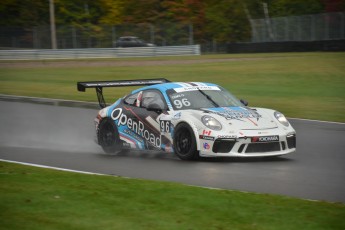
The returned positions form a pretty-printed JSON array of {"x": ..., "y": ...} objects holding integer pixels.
[{"x": 99, "y": 53}]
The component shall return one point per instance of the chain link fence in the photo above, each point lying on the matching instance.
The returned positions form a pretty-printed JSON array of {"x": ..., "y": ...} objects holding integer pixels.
[
  {"x": 317, "y": 27},
  {"x": 94, "y": 36}
]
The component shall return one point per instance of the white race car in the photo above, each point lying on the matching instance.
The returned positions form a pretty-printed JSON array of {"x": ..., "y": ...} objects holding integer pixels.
[{"x": 190, "y": 119}]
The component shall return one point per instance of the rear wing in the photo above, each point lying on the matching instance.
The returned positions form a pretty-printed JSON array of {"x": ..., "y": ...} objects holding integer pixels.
[{"x": 99, "y": 85}]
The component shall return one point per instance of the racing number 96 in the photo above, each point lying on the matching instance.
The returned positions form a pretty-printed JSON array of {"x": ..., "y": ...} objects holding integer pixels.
[
  {"x": 165, "y": 126},
  {"x": 180, "y": 103}
]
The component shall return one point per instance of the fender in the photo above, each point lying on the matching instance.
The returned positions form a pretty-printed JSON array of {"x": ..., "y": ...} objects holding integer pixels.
[{"x": 195, "y": 130}]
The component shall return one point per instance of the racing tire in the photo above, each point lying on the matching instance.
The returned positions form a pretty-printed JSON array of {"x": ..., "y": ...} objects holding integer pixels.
[
  {"x": 108, "y": 136},
  {"x": 185, "y": 142}
]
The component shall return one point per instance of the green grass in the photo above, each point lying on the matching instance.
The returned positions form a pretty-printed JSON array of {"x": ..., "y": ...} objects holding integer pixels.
[
  {"x": 306, "y": 85},
  {"x": 35, "y": 198}
]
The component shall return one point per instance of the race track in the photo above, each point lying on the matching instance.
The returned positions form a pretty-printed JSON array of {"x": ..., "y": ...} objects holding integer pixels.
[{"x": 64, "y": 137}]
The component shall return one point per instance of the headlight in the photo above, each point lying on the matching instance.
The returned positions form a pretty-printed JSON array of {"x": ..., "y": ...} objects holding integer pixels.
[
  {"x": 211, "y": 122},
  {"x": 281, "y": 118}
]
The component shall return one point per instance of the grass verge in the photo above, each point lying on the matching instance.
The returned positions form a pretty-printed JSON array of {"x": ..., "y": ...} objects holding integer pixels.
[
  {"x": 35, "y": 198},
  {"x": 306, "y": 85}
]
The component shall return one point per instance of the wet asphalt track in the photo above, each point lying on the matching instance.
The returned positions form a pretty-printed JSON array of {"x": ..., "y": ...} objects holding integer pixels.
[{"x": 63, "y": 137}]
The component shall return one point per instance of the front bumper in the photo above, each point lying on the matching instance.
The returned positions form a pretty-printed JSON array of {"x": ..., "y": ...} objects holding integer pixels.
[{"x": 246, "y": 146}]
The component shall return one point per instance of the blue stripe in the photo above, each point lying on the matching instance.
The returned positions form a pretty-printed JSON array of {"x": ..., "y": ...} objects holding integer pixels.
[
  {"x": 112, "y": 107},
  {"x": 223, "y": 109}
]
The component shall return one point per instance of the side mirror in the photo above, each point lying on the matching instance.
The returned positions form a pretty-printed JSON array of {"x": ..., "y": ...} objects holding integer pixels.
[
  {"x": 244, "y": 102},
  {"x": 154, "y": 107}
]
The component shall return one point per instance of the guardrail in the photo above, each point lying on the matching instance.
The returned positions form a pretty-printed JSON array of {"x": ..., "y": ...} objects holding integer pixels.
[{"x": 99, "y": 53}]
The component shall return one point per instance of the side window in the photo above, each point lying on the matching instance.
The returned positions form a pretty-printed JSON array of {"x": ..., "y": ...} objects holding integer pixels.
[
  {"x": 131, "y": 99},
  {"x": 152, "y": 97}
]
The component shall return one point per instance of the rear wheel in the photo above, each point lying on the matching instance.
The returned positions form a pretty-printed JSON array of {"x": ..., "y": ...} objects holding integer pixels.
[
  {"x": 185, "y": 142},
  {"x": 108, "y": 136}
]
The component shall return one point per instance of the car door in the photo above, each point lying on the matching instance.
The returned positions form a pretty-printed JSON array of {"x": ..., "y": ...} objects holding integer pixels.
[
  {"x": 148, "y": 119},
  {"x": 143, "y": 123}
]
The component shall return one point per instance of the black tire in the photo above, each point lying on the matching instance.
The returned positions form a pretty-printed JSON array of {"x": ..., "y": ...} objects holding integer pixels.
[
  {"x": 108, "y": 136},
  {"x": 185, "y": 142}
]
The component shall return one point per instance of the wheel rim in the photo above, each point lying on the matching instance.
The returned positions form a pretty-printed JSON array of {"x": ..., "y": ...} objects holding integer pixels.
[
  {"x": 108, "y": 135},
  {"x": 183, "y": 142}
]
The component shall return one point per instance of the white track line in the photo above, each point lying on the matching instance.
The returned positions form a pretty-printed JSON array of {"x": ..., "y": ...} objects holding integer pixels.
[
  {"x": 55, "y": 168},
  {"x": 100, "y": 174},
  {"x": 330, "y": 122}
]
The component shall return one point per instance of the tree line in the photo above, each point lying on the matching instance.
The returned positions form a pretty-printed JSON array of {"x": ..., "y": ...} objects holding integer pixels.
[{"x": 222, "y": 20}]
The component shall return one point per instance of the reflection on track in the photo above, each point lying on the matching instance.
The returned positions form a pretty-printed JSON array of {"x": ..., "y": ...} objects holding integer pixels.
[{"x": 64, "y": 137}]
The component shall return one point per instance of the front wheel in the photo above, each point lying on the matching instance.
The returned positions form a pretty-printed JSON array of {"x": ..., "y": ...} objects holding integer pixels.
[
  {"x": 185, "y": 142},
  {"x": 108, "y": 136}
]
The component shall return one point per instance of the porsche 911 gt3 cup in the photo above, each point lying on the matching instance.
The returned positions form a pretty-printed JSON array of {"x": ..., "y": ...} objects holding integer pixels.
[{"x": 190, "y": 119}]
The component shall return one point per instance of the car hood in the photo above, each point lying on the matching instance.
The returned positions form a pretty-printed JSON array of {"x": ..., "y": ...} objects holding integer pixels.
[{"x": 242, "y": 118}]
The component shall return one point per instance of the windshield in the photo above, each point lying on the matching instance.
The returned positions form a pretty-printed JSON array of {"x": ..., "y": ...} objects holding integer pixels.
[{"x": 201, "y": 97}]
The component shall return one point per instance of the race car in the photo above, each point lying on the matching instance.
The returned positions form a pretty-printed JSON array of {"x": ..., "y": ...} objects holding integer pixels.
[{"x": 190, "y": 119}]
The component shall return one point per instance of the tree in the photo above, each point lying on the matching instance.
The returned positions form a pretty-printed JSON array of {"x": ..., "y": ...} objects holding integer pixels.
[
  {"x": 187, "y": 12},
  {"x": 280, "y": 8},
  {"x": 77, "y": 12},
  {"x": 112, "y": 11},
  {"x": 24, "y": 13},
  {"x": 219, "y": 20},
  {"x": 148, "y": 11},
  {"x": 334, "y": 5},
  {"x": 227, "y": 21}
]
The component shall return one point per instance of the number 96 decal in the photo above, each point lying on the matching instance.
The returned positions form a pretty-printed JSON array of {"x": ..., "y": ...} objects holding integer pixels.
[
  {"x": 165, "y": 126},
  {"x": 180, "y": 103}
]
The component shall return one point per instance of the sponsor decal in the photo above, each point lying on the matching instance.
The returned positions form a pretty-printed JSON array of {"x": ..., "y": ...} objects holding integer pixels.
[
  {"x": 165, "y": 126},
  {"x": 206, "y": 132},
  {"x": 175, "y": 96},
  {"x": 195, "y": 88},
  {"x": 181, "y": 103},
  {"x": 263, "y": 132},
  {"x": 134, "y": 135},
  {"x": 128, "y": 141},
  {"x": 227, "y": 136},
  {"x": 209, "y": 138},
  {"x": 235, "y": 114},
  {"x": 265, "y": 139},
  {"x": 177, "y": 116},
  {"x": 206, "y": 146},
  {"x": 138, "y": 127}
]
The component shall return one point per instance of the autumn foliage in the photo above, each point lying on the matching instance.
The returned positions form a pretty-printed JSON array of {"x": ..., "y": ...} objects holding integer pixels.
[{"x": 221, "y": 20}]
